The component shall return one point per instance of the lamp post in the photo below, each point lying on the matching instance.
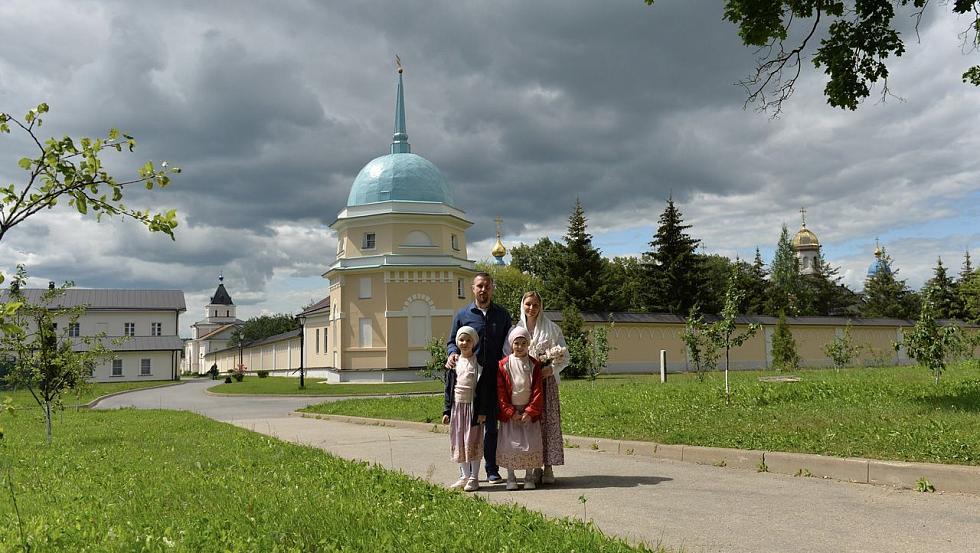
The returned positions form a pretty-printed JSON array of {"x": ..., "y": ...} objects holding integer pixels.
[{"x": 302, "y": 351}]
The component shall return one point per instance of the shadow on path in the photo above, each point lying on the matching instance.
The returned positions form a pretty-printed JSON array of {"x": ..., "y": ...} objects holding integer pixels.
[{"x": 591, "y": 482}]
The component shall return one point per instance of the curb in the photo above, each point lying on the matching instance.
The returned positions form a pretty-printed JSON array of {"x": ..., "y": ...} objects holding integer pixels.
[
  {"x": 898, "y": 474},
  {"x": 96, "y": 401},
  {"x": 301, "y": 396}
]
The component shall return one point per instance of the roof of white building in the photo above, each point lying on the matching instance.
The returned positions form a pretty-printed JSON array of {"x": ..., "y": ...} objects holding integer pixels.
[
  {"x": 109, "y": 298},
  {"x": 135, "y": 343}
]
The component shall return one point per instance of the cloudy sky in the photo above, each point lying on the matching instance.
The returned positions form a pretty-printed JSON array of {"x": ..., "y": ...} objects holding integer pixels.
[{"x": 271, "y": 109}]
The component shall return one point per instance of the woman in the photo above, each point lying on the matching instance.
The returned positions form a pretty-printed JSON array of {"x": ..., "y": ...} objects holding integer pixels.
[{"x": 546, "y": 334}]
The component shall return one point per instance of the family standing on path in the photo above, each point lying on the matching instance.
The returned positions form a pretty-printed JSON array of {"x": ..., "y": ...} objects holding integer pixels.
[{"x": 498, "y": 372}]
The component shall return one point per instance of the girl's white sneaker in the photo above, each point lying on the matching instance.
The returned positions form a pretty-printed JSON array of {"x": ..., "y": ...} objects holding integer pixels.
[
  {"x": 459, "y": 484},
  {"x": 472, "y": 485}
]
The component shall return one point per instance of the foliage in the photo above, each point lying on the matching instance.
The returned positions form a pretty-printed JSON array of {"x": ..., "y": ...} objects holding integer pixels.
[
  {"x": 262, "y": 374},
  {"x": 238, "y": 372},
  {"x": 824, "y": 290},
  {"x": 46, "y": 362},
  {"x": 723, "y": 331},
  {"x": 968, "y": 290},
  {"x": 930, "y": 344},
  {"x": 543, "y": 261},
  {"x": 573, "y": 329},
  {"x": 701, "y": 350},
  {"x": 598, "y": 349},
  {"x": 784, "y": 356},
  {"x": 509, "y": 284},
  {"x": 945, "y": 300},
  {"x": 435, "y": 367},
  {"x": 887, "y": 413},
  {"x": 785, "y": 293},
  {"x": 262, "y": 326},
  {"x": 855, "y": 41},
  {"x": 752, "y": 281},
  {"x": 842, "y": 351},
  {"x": 885, "y": 295},
  {"x": 583, "y": 267},
  {"x": 105, "y": 487},
  {"x": 625, "y": 277},
  {"x": 715, "y": 272},
  {"x": 72, "y": 169},
  {"x": 675, "y": 268}
]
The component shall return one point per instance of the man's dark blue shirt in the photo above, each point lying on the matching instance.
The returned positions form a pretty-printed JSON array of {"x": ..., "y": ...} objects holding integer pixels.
[{"x": 492, "y": 328}]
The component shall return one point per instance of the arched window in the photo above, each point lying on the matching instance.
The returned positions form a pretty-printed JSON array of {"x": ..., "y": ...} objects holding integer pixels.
[{"x": 419, "y": 323}]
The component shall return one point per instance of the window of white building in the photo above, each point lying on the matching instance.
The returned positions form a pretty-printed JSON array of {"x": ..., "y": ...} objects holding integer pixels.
[
  {"x": 368, "y": 242},
  {"x": 117, "y": 367},
  {"x": 144, "y": 367},
  {"x": 129, "y": 329},
  {"x": 318, "y": 340},
  {"x": 73, "y": 330},
  {"x": 156, "y": 329},
  {"x": 455, "y": 242}
]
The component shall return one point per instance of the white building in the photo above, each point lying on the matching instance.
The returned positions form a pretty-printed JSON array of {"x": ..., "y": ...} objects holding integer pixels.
[
  {"x": 139, "y": 325},
  {"x": 211, "y": 333}
]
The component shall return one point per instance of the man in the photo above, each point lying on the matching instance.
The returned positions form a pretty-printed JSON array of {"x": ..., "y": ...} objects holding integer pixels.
[{"x": 492, "y": 322}]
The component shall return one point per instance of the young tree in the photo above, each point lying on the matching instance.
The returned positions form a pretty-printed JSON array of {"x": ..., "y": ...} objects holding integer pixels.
[
  {"x": 47, "y": 363},
  {"x": 785, "y": 292},
  {"x": 723, "y": 331},
  {"x": 931, "y": 345},
  {"x": 701, "y": 350},
  {"x": 573, "y": 329},
  {"x": 945, "y": 300},
  {"x": 262, "y": 326},
  {"x": 842, "y": 350},
  {"x": 784, "y": 356},
  {"x": 855, "y": 41},
  {"x": 583, "y": 266},
  {"x": 885, "y": 295},
  {"x": 598, "y": 348},
  {"x": 675, "y": 268}
]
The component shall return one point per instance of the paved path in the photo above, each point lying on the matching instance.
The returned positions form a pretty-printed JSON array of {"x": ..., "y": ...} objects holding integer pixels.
[{"x": 683, "y": 506}]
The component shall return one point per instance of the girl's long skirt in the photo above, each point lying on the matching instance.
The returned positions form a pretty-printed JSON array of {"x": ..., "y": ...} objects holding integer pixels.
[
  {"x": 465, "y": 441},
  {"x": 553, "y": 441},
  {"x": 519, "y": 446}
]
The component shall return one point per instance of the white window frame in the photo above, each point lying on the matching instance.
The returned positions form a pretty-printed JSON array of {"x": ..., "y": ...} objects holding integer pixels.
[
  {"x": 365, "y": 332},
  {"x": 317, "y": 340},
  {"x": 74, "y": 330},
  {"x": 156, "y": 329},
  {"x": 113, "y": 372},
  {"x": 365, "y": 288},
  {"x": 129, "y": 329},
  {"x": 369, "y": 241},
  {"x": 454, "y": 240},
  {"x": 146, "y": 367}
]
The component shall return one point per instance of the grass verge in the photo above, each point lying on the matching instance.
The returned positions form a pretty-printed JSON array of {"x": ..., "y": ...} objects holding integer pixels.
[
  {"x": 290, "y": 386},
  {"x": 894, "y": 413},
  {"x": 128, "y": 480}
]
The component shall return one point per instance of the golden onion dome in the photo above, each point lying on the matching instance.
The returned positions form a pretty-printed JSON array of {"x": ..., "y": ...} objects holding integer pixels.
[
  {"x": 498, "y": 249},
  {"x": 805, "y": 239}
]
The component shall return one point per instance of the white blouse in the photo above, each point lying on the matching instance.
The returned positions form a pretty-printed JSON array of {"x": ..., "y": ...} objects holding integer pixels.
[{"x": 467, "y": 375}]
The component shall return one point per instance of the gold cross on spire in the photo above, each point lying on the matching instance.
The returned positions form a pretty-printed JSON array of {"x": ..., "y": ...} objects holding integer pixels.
[
  {"x": 499, "y": 221},
  {"x": 398, "y": 64},
  {"x": 803, "y": 214}
]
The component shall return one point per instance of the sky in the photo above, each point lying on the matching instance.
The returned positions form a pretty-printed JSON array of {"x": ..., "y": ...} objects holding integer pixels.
[{"x": 272, "y": 108}]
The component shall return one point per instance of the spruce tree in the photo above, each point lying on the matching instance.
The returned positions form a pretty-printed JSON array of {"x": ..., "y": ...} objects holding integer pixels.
[
  {"x": 784, "y": 355},
  {"x": 583, "y": 266},
  {"x": 785, "y": 293},
  {"x": 675, "y": 268},
  {"x": 942, "y": 293},
  {"x": 754, "y": 276},
  {"x": 826, "y": 293},
  {"x": 968, "y": 291},
  {"x": 885, "y": 296}
]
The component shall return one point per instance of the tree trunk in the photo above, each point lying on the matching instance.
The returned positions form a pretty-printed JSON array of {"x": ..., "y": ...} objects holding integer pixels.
[
  {"x": 728, "y": 393},
  {"x": 47, "y": 417}
]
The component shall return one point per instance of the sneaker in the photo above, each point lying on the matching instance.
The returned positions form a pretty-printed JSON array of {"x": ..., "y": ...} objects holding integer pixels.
[
  {"x": 458, "y": 485},
  {"x": 548, "y": 476},
  {"x": 494, "y": 477},
  {"x": 472, "y": 485},
  {"x": 529, "y": 480}
]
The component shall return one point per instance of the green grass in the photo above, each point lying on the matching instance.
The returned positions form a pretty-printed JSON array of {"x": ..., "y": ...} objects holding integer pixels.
[
  {"x": 894, "y": 413},
  {"x": 23, "y": 398},
  {"x": 275, "y": 385},
  {"x": 129, "y": 480}
]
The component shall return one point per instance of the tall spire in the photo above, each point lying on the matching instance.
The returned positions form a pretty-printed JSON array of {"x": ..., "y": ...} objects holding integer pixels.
[{"x": 399, "y": 142}]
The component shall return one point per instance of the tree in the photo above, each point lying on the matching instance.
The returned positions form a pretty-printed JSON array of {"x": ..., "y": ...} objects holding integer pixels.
[
  {"x": 784, "y": 354},
  {"x": 754, "y": 285},
  {"x": 545, "y": 261},
  {"x": 674, "y": 269},
  {"x": 824, "y": 290},
  {"x": 885, "y": 295},
  {"x": 945, "y": 300},
  {"x": 509, "y": 284},
  {"x": 598, "y": 350},
  {"x": 573, "y": 329},
  {"x": 856, "y": 39},
  {"x": 583, "y": 266},
  {"x": 968, "y": 291},
  {"x": 842, "y": 350},
  {"x": 722, "y": 331},
  {"x": 931, "y": 345},
  {"x": 716, "y": 270},
  {"x": 625, "y": 277},
  {"x": 47, "y": 363},
  {"x": 72, "y": 169},
  {"x": 701, "y": 350},
  {"x": 785, "y": 292},
  {"x": 263, "y": 326}
]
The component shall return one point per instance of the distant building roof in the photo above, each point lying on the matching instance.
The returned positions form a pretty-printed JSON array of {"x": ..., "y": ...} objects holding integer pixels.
[
  {"x": 316, "y": 308},
  {"x": 276, "y": 338},
  {"x": 135, "y": 343},
  {"x": 108, "y": 298},
  {"x": 218, "y": 330},
  {"x": 221, "y": 296}
]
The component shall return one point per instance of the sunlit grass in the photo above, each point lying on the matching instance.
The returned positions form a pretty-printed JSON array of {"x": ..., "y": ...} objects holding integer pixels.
[{"x": 280, "y": 385}]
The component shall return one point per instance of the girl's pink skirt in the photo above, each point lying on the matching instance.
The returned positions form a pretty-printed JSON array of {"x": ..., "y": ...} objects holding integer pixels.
[
  {"x": 465, "y": 441},
  {"x": 519, "y": 445}
]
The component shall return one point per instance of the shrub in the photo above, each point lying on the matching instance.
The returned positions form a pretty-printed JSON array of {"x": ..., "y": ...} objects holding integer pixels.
[
  {"x": 227, "y": 380},
  {"x": 262, "y": 374},
  {"x": 842, "y": 350},
  {"x": 784, "y": 356}
]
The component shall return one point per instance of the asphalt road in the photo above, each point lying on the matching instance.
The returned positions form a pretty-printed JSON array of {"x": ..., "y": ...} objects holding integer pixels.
[{"x": 686, "y": 507}]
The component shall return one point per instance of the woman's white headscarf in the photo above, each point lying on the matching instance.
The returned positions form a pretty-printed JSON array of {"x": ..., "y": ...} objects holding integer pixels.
[{"x": 546, "y": 330}]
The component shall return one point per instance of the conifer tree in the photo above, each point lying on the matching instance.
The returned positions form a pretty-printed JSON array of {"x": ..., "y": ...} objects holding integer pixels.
[
  {"x": 825, "y": 292},
  {"x": 885, "y": 295},
  {"x": 942, "y": 291},
  {"x": 785, "y": 292},
  {"x": 583, "y": 266},
  {"x": 784, "y": 355},
  {"x": 968, "y": 291},
  {"x": 674, "y": 271},
  {"x": 754, "y": 284}
]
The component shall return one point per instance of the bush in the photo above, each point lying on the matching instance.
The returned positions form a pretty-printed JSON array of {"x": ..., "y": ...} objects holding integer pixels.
[
  {"x": 227, "y": 380},
  {"x": 262, "y": 374},
  {"x": 573, "y": 329},
  {"x": 784, "y": 354}
]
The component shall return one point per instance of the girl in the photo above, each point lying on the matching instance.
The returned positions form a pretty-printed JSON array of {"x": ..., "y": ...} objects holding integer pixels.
[
  {"x": 546, "y": 334},
  {"x": 519, "y": 403},
  {"x": 466, "y": 406}
]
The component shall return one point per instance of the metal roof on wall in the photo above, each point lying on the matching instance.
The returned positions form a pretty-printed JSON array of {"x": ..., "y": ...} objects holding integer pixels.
[{"x": 108, "y": 298}]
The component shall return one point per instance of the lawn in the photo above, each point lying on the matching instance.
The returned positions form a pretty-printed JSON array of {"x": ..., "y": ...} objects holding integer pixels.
[
  {"x": 894, "y": 413},
  {"x": 129, "y": 480},
  {"x": 281, "y": 385},
  {"x": 23, "y": 397}
]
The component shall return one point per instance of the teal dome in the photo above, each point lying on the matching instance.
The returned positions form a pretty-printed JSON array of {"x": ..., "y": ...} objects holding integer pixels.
[{"x": 401, "y": 177}]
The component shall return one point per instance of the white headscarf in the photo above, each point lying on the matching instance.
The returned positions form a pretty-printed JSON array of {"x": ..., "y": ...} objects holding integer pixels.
[{"x": 546, "y": 329}]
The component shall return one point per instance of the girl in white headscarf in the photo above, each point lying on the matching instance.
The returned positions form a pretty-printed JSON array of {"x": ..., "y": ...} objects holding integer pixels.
[
  {"x": 465, "y": 411},
  {"x": 546, "y": 335},
  {"x": 519, "y": 405}
]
